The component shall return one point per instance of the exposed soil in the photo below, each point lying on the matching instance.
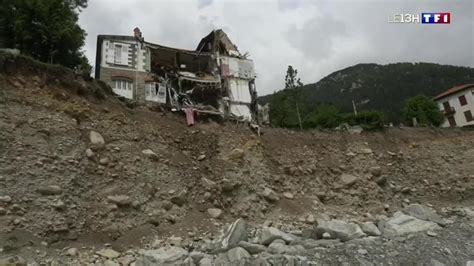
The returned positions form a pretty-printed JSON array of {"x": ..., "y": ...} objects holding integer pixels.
[{"x": 45, "y": 126}]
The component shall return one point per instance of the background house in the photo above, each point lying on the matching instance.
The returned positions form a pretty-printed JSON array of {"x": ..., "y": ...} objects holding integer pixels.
[{"x": 457, "y": 105}]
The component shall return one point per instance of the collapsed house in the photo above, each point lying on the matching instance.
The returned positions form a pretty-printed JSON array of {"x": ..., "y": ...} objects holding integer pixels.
[{"x": 214, "y": 79}]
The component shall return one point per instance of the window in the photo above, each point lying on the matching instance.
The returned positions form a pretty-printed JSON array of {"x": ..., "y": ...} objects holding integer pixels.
[
  {"x": 462, "y": 100},
  {"x": 118, "y": 54},
  {"x": 447, "y": 107},
  {"x": 468, "y": 116},
  {"x": 122, "y": 84}
]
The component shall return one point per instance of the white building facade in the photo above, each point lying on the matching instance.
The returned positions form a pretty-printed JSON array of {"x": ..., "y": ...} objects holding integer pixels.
[{"x": 457, "y": 105}]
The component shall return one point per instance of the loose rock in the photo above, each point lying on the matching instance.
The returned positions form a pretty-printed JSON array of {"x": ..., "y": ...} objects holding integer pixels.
[
  {"x": 151, "y": 154},
  {"x": 108, "y": 253},
  {"x": 50, "y": 190},
  {"x": 401, "y": 224},
  {"x": 348, "y": 180},
  {"x": 269, "y": 234},
  {"x": 252, "y": 248},
  {"x": 214, "y": 212},
  {"x": 424, "y": 213},
  {"x": 97, "y": 140},
  {"x": 120, "y": 200},
  {"x": 162, "y": 256},
  {"x": 370, "y": 229},
  {"x": 270, "y": 195},
  {"x": 339, "y": 229}
]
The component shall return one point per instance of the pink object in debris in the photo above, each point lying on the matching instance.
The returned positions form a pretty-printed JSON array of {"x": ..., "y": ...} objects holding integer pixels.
[{"x": 189, "y": 116}]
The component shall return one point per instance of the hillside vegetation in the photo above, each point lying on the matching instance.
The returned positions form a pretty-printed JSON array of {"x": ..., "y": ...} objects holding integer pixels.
[{"x": 378, "y": 87}]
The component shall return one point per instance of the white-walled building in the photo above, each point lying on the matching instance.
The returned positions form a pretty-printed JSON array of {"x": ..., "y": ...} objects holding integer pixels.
[{"x": 457, "y": 105}]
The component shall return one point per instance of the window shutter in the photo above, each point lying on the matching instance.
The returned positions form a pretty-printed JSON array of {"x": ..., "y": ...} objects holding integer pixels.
[{"x": 110, "y": 57}]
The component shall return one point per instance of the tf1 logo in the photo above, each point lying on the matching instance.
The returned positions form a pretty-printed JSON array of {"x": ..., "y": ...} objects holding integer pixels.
[
  {"x": 435, "y": 18},
  {"x": 425, "y": 18}
]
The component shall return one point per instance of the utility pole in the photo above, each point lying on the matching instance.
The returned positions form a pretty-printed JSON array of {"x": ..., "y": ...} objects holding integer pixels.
[{"x": 354, "y": 107}]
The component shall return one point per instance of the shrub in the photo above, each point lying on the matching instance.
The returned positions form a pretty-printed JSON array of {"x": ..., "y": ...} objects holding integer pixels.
[
  {"x": 367, "y": 119},
  {"x": 325, "y": 116}
]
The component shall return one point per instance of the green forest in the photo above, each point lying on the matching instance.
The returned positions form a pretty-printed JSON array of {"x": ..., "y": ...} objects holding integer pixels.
[{"x": 377, "y": 90}]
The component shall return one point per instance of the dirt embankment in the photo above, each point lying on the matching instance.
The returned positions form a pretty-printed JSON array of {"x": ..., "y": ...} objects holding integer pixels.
[{"x": 146, "y": 174}]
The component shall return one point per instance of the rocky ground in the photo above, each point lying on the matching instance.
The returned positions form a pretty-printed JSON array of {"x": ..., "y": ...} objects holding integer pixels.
[{"x": 88, "y": 179}]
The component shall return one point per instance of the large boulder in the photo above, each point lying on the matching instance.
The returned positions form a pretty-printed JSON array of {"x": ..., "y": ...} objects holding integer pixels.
[
  {"x": 424, "y": 213},
  {"x": 231, "y": 236},
  {"x": 339, "y": 229},
  {"x": 162, "y": 256},
  {"x": 269, "y": 234},
  {"x": 370, "y": 229},
  {"x": 401, "y": 224}
]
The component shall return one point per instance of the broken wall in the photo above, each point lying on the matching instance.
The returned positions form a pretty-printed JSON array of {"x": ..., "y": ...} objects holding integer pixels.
[{"x": 240, "y": 98}]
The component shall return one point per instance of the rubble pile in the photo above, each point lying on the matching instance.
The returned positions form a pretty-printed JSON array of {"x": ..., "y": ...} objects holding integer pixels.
[{"x": 88, "y": 179}]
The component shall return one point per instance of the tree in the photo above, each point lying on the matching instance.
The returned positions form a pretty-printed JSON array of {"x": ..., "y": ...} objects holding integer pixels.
[
  {"x": 45, "y": 30},
  {"x": 424, "y": 109},
  {"x": 325, "y": 116},
  {"x": 292, "y": 82}
]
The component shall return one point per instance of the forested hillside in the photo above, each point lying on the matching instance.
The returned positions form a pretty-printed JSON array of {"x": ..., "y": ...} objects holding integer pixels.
[{"x": 376, "y": 87}]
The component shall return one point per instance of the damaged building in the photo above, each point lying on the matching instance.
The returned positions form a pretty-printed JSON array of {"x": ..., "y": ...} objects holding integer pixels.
[{"x": 214, "y": 79}]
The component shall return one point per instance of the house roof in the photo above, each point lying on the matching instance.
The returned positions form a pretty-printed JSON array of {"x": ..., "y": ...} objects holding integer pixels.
[
  {"x": 216, "y": 38},
  {"x": 453, "y": 90}
]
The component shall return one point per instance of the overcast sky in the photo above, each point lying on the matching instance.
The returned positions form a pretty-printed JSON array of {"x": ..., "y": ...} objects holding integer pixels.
[{"x": 316, "y": 37}]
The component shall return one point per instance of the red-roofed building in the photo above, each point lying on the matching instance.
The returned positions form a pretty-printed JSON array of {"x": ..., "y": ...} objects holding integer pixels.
[{"x": 457, "y": 105}]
